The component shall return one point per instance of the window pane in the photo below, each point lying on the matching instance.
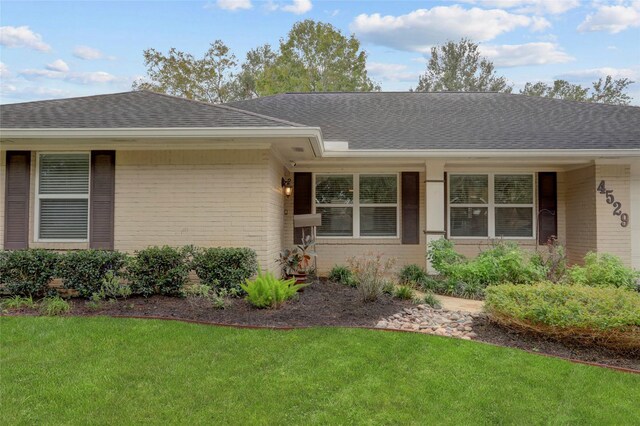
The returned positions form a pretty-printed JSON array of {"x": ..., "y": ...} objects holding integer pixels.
[
  {"x": 64, "y": 174},
  {"x": 63, "y": 219},
  {"x": 378, "y": 189},
  {"x": 514, "y": 222},
  {"x": 334, "y": 189},
  {"x": 469, "y": 222},
  {"x": 336, "y": 221},
  {"x": 513, "y": 189},
  {"x": 469, "y": 189},
  {"x": 378, "y": 221}
]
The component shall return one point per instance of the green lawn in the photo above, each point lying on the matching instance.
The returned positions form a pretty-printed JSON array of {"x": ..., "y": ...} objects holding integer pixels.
[{"x": 120, "y": 371}]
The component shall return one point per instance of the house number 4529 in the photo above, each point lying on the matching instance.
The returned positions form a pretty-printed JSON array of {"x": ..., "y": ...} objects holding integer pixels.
[{"x": 617, "y": 205}]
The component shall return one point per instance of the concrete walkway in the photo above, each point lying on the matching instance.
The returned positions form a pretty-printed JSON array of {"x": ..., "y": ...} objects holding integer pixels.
[{"x": 458, "y": 304}]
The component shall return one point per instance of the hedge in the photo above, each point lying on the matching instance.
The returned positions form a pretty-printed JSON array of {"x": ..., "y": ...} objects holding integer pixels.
[
  {"x": 606, "y": 316},
  {"x": 225, "y": 267},
  {"x": 27, "y": 272},
  {"x": 85, "y": 270}
]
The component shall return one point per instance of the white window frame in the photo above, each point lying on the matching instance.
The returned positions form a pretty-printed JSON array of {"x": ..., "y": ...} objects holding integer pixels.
[
  {"x": 38, "y": 197},
  {"x": 356, "y": 204},
  {"x": 492, "y": 205}
]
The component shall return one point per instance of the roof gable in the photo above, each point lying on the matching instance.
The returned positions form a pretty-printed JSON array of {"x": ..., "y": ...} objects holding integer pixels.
[{"x": 139, "y": 109}]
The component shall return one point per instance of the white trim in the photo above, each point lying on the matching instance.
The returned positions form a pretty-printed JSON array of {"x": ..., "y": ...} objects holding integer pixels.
[
  {"x": 355, "y": 205},
  {"x": 481, "y": 154},
  {"x": 491, "y": 206},
  {"x": 38, "y": 197}
]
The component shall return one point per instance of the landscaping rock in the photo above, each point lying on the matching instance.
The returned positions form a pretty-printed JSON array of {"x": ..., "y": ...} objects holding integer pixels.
[{"x": 428, "y": 320}]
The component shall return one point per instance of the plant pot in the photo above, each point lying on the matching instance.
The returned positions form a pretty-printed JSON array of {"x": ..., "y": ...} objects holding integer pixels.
[{"x": 301, "y": 277}]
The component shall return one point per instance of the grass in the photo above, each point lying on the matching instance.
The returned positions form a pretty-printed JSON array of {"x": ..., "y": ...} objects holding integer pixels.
[{"x": 112, "y": 371}]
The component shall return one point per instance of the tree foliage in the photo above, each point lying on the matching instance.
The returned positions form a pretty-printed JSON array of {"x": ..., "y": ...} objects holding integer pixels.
[
  {"x": 316, "y": 57},
  {"x": 605, "y": 90},
  {"x": 209, "y": 79},
  {"x": 460, "y": 67}
]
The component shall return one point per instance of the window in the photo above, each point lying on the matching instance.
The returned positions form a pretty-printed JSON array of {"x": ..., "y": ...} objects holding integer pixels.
[
  {"x": 63, "y": 197},
  {"x": 357, "y": 205},
  {"x": 491, "y": 205}
]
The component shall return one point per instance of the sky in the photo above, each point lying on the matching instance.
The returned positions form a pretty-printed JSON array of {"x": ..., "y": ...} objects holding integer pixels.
[{"x": 51, "y": 49}]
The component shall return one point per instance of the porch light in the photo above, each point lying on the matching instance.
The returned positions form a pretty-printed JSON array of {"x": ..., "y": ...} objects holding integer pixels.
[{"x": 286, "y": 185}]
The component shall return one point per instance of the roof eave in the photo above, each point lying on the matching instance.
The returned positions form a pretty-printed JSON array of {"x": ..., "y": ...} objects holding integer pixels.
[{"x": 483, "y": 153}]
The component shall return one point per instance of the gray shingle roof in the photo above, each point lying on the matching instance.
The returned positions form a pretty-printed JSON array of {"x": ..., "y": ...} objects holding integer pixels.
[
  {"x": 128, "y": 110},
  {"x": 473, "y": 121}
]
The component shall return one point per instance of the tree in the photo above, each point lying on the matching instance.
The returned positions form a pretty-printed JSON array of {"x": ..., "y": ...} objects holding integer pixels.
[
  {"x": 316, "y": 57},
  {"x": 606, "y": 91},
  {"x": 256, "y": 62},
  {"x": 459, "y": 67},
  {"x": 210, "y": 79}
]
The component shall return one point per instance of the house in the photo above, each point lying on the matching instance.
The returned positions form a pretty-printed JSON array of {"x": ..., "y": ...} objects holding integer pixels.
[{"x": 389, "y": 172}]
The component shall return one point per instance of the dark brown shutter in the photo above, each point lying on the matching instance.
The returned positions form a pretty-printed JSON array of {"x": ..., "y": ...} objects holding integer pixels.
[
  {"x": 103, "y": 173},
  {"x": 547, "y": 206},
  {"x": 301, "y": 201},
  {"x": 410, "y": 208},
  {"x": 16, "y": 225}
]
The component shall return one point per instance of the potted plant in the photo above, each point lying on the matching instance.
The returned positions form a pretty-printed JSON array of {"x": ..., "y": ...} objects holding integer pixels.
[{"x": 296, "y": 262}]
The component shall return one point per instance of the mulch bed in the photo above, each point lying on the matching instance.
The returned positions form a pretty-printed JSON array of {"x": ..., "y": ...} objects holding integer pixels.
[
  {"x": 490, "y": 332},
  {"x": 325, "y": 303}
]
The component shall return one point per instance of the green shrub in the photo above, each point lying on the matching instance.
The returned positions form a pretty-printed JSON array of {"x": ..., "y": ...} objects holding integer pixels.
[
  {"x": 412, "y": 274},
  {"x": 431, "y": 300},
  {"x": 266, "y": 291},
  {"x": 85, "y": 270},
  {"x": 342, "y": 275},
  {"x": 502, "y": 263},
  {"x": 159, "y": 270},
  {"x": 111, "y": 289},
  {"x": 609, "y": 316},
  {"x": 204, "y": 292},
  {"x": 604, "y": 270},
  {"x": 28, "y": 272},
  {"x": 18, "y": 302},
  {"x": 403, "y": 292},
  {"x": 225, "y": 267},
  {"x": 55, "y": 305},
  {"x": 369, "y": 272},
  {"x": 442, "y": 255}
]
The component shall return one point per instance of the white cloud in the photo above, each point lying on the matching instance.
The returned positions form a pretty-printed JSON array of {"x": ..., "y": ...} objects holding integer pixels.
[
  {"x": 230, "y": 4},
  {"x": 93, "y": 77},
  {"x": 596, "y": 73},
  {"x": 513, "y": 55},
  {"x": 552, "y": 7},
  {"x": 30, "y": 92},
  {"x": 58, "y": 65},
  {"x": 22, "y": 37},
  {"x": 4, "y": 71},
  {"x": 87, "y": 53},
  {"x": 612, "y": 19},
  {"x": 392, "y": 72},
  {"x": 422, "y": 28},
  {"x": 298, "y": 7}
]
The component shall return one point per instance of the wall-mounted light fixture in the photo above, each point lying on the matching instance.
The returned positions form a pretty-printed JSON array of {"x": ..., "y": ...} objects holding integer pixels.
[{"x": 287, "y": 187}]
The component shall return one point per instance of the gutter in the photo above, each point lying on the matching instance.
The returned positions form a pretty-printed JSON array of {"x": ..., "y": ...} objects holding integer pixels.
[
  {"x": 485, "y": 153},
  {"x": 314, "y": 134}
]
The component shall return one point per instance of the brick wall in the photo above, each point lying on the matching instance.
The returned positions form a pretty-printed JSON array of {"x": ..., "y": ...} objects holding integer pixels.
[
  {"x": 336, "y": 251},
  {"x": 206, "y": 198},
  {"x": 581, "y": 213},
  {"x": 612, "y": 237},
  {"x": 3, "y": 162}
]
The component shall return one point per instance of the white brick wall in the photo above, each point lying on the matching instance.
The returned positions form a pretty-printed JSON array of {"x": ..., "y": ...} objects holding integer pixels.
[
  {"x": 3, "y": 162},
  {"x": 612, "y": 237},
  {"x": 336, "y": 251},
  {"x": 581, "y": 213},
  {"x": 206, "y": 198}
]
